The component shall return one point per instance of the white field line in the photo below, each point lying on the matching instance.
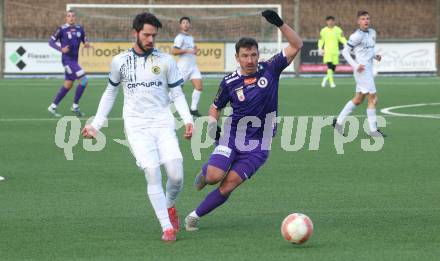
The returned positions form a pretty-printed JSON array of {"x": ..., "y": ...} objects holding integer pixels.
[{"x": 431, "y": 116}]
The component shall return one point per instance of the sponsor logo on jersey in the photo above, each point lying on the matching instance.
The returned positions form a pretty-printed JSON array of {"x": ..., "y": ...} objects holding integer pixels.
[
  {"x": 155, "y": 69},
  {"x": 262, "y": 82},
  {"x": 144, "y": 84},
  {"x": 248, "y": 81}
]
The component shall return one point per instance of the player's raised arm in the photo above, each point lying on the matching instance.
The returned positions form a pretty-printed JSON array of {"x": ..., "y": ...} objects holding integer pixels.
[{"x": 295, "y": 42}]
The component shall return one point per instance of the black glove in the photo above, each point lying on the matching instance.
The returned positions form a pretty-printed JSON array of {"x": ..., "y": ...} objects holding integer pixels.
[
  {"x": 214, "y": 131},
  {"x": 218, "y": 133},
  {"x": 272, "y": 17}
]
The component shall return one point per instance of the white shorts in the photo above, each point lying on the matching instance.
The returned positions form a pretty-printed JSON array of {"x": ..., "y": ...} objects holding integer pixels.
[
  {"x": 189, "y": 72},
  {"x": 365, "y": 81},
  {"x": 151, "y": 147}
]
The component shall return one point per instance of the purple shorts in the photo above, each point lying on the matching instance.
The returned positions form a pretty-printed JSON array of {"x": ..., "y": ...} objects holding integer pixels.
[
  {"x": 244, "y": 163},
  {"x": 72, "y": 70}
]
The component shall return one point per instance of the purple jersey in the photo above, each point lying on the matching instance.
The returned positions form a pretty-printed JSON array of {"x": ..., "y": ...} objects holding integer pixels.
[
  {"x": 252, "y": 95},
  {"x": 68, "y": 35}
]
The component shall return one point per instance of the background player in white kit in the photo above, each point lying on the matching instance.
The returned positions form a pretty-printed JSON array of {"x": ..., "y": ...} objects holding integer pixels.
[
  {"x": 186, "y": 49},
  {"x": 362, "y": 42},
  {"x": 147, "y": 77}
]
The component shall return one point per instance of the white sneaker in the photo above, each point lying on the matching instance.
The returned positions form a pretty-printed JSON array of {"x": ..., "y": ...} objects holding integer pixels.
[
  {"x": 324, "y": 82},
  {"x": 333, "y": 85},
  {"x": 191, "y": 223},
  {"x": 53, "y": 112}
]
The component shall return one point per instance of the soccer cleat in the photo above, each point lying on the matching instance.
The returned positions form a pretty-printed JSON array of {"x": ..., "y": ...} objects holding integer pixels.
[
  {"x": 339, "y": 128},
  {"x": 324, "y": 82},
  {"x": 77, "y": 112},
  {"x": 195, "y": 113},
  {"x": 1, "y": 178},
  {"x": 174, "y": 218},
  {"x": 333, "y": 85},
  {"x": 191, "y": 223},
  {"x": 169, "y": 235},
  {"x": 377, "y": 133},
  {"x": 53, "y": 112},
  {"x": 200, "y": 181}
]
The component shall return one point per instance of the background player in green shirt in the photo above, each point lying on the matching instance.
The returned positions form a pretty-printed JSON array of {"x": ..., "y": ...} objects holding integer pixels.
[{"x": 328, "y": 44}]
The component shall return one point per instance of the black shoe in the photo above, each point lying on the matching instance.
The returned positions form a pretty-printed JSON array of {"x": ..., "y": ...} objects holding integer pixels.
[
  {"x": 377, "y": 133},
  {"x": 195, "y": 113},
  {"x": 339, "y": 128}
]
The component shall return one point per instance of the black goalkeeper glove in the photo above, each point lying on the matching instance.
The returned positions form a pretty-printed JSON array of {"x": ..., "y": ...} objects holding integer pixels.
[{"x": 272, "y": 17}]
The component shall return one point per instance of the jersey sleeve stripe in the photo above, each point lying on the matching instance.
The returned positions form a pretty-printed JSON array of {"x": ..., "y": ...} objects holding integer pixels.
[
  {"x": 177, "y": 47},
  {"x": 172, "y": 85},
  {"x": 113, "y": 83},
  {"x": 348, "y": 43}
]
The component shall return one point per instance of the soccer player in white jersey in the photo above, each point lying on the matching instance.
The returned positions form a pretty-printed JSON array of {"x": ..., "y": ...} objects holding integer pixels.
[
  {"x": 147, "y": 77},
  {"x": 362, "y": 42},
  {"x": 186, "y": 49}
]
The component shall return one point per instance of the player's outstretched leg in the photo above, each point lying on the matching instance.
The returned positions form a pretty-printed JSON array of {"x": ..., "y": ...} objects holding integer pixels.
[
  {"x": 79, "y": 92},
  {"x": 213, "y": 200},
  {"x": 60, "y": 95},
  {"x": 174, "y": 169},
  {"x": 159, "y": 202}
]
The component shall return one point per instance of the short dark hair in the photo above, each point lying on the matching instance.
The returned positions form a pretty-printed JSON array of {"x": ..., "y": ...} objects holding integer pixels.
[
  {"x": 245, "y": 42},
  {"x": 145, "y": 18},
  {"x": 184, "y": 18},
  {"x": 362, "y": 13},
  {"x": 330, "y": 17}
]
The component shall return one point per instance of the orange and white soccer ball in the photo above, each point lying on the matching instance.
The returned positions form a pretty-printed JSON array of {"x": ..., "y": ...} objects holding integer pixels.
[{"x": 297, "y": 228}]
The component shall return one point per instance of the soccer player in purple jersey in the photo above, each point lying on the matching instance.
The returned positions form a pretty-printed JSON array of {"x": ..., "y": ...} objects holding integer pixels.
[
  {"x": 69, "y": 36},
  {"x": 252, "y": 92}
]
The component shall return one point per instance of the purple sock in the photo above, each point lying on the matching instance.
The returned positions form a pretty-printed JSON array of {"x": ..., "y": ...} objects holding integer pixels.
[
  {"x": 214, "y": 200},
  {"x": 79, "y": 91},
  {"x": 60, "y": 95}
]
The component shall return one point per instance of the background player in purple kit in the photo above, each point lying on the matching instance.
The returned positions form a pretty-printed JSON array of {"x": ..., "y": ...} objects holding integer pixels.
[
  {"x": 70, "y": 36},
  {"x": 252, "y": 91}
]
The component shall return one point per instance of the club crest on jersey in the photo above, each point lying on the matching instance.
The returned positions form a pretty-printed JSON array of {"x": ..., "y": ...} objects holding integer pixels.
[
  {"x": 262, "y": 82},
  {"x": 78, "y": 34},
  {"x": 240, "y": 94},
  {"x": 155, "y": 69}
]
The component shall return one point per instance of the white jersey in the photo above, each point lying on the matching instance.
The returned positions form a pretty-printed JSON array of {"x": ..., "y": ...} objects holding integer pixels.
[
  {"x": 185, "y": 41},
  {"x": 146, "y": 80},
  {"x": 363, "y": 45}
]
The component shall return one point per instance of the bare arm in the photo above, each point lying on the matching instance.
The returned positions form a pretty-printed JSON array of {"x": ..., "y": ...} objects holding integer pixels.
[
  {"x": 213, "y": 129},
  {"x": 295, "y": 42}
]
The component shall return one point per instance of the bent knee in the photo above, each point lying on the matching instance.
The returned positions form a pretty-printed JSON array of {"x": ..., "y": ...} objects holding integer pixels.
[
  {"x": 214, "y": 175},
  {"x": 84, "y": 81}
]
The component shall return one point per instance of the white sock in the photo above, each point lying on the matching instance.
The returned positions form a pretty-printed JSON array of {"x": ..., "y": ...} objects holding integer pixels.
[
  {"x": 75, "y": 106},
  {"x": 194, "y": 214},
  {"x": 174, "y": 171},
  {"x": 53, "y": 106},
  {"x": 195, "y": 99},
  {"x": 371, "y": 113},
  {"x": 157, "y": 197},
  {"x": 347, "y": 110}
]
